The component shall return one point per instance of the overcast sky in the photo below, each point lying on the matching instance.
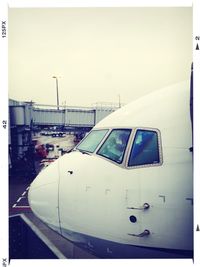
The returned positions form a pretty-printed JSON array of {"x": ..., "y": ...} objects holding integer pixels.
[{"x": 97, "y": 53}]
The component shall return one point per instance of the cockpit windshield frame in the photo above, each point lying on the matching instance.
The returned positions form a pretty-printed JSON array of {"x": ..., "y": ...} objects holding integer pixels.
[
  {"x": 132, "y": 143},
  {"x": 124, "y": 161}
]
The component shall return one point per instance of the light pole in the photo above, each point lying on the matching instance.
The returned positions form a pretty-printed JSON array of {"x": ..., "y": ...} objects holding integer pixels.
[{"x": 55, "y": 77}]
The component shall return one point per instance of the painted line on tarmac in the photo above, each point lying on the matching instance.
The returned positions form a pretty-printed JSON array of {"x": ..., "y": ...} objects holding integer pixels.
[{"x": 23, "y": 195}]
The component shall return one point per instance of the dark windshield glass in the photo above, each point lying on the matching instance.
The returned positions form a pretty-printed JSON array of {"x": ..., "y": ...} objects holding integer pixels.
[{"x": 145, "y": 149}]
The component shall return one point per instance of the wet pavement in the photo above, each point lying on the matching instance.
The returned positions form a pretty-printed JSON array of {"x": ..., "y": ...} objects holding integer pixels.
[{"x": 18, "y": 192}]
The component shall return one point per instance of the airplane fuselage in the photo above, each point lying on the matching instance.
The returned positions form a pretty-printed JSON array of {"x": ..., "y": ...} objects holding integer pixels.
[{"x": 129, "y": 182}]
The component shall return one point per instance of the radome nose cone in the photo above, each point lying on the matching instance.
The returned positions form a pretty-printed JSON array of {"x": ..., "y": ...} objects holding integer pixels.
[
  {"x": 47, "y": 176},
  {"x": 43, "y": 195}
]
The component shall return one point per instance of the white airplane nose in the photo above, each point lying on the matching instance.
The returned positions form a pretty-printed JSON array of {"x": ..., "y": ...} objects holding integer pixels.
[{"x": 43, "y": 196}]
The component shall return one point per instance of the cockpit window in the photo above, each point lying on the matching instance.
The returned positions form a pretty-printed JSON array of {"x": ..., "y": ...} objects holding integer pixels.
[
  {"x": 145, "y": 149},
  {"x": 115, "y": 145},
  {"x": 91, "y": 142}
]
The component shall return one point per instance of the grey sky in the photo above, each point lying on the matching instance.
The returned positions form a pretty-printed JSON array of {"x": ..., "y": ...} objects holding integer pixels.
[{"x": 99, "y": 53}]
